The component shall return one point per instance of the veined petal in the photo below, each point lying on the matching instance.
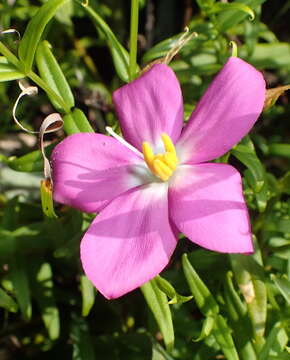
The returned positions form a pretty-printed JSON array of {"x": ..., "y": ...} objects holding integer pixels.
[
  {"x": 149, "y": 106},
  {"x": 226, "y": 113},
  {"x": 207, "y": 205},
  {"x": 129, "y": 242},
  {"x": 89, "y": 170}
]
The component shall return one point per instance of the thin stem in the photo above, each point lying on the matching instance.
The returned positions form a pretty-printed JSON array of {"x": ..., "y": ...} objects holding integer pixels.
[
  {"x": 133, "y": 38},
  {"x": 48, "y": 90},
  {"x": 13, "y": 60}
]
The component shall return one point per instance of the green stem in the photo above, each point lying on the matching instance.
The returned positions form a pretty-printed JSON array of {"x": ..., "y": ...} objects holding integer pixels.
[
  {"x": 13, "y": 60},
  {"x": 48, "y": 90},
  {"x": 133, "y": 38}
]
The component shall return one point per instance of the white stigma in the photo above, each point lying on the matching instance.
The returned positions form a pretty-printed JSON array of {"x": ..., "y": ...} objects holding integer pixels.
[{"x": 123, "y": 141}]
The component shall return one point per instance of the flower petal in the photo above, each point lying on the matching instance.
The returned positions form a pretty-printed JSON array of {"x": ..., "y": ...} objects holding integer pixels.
[
  {"x": 226, "y": 113},
  {"x": 207, "y": 205},
  {"x": 129, "y": 242},
  {"x": 149, "y": 106},
  {"x": 89, "y": 170}
]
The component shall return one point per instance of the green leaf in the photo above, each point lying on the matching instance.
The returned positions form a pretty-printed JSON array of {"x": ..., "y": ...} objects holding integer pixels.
[
  {"x": 9, "y": 72},
  {"x": 119, "y": 53},
  {"x": 7, "y": 302},
  {"x": 43, "y": 292},
  {"x": 34, "y": 30},
  {"x": 223, "y": 7},
  {"x": 209, "y": 307},
  {"x": 283, "y": 285},
  {"x": 280, "y": 150},
  {"x": 204, "y": 299},
  {"x": 157, "y": 302},
  {"x": 238, "y": 317},
  {"x": 249, "y": 275},
  {"x": 88, "y": 295},
  {"x": 223, "y": 336},
  {"x": 229, "y": 18},
  {"x": 275, "y": 343},
  {"x": 31, "y": 162},
  {"x": 207, "y": 328},
  {"x": 19, "y": 278},
  {"x": 76, "y": 122},
  {"x": 245, "y": 152},
  {"x": 83, "y": 347},
  {"x": 272, "y": 56},
  {"x": 52, "y": 74},
  {"x": 169, "y": 290}
]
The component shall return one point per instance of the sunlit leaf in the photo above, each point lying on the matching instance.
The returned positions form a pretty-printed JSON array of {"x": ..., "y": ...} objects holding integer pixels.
[
  {"x": 52, "y": 74},
  {"x": 7, "y": 302},
  {"x": 158, "y": 303},
  {"x": 34, "y": 30},
  {"x": 43, "y": 288},
  {"x": 119, "y": 53},
  {"x": 19, "y": 278},
  {"x": 88, "y": 295}
]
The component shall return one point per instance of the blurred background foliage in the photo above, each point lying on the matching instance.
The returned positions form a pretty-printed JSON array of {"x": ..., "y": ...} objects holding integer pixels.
[{"x": 232, "y": 306}]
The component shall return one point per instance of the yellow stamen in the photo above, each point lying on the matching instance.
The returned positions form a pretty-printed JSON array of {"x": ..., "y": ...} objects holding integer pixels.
[{"x": 161, "y": 165}]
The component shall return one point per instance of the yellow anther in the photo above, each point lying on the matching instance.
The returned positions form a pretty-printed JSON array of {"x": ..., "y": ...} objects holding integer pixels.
[
  {"x": 161, "y": 170},
  {"x": 168, "y": 144},
  {"x": 170, "y": 160},
  {"x": 161, "y": 165},
  {"x": 148, "y": 154}
]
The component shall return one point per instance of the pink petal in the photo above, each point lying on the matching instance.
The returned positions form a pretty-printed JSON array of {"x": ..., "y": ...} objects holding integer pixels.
[
  {"x": 129, "y": 242},
  {"x": 207, "y": 205},
  {"x": 226, "y": 113},
  {"x": 149, "y": 106},
  {"x": 89, "y": 170}
]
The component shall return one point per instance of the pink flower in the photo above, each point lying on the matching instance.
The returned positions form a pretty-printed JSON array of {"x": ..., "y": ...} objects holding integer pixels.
[{"x": 145, "y": 201}]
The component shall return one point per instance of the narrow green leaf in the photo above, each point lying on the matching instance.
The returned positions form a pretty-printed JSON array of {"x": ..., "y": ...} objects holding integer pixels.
[
  {"x": 7, "y": 302},
  {"x": 207, "y": 328},
  {"x": 275, "y": 343},
  {"x": 209, "y": 307},
  {"x": 157, "y": 302},
  {"x": 31, "y": 162},
  {"x": 283, "y": 285},
  {"x": 9, "y": 72},
  {"x": 204, "y": 299},
  {"x": 10, "y": 217},
  {"x": 280, "y": 150},
  {"x": 88, "y": 295},
  {"x": 245, "y": 152},
  {"x": 223, "y": 336},
  {"x": 76, "y": 122},
  {"x": 43, "y": 291},
  {"x": 51, "y": 73},
  {"x": 34, "y": 30},
  {"x": 237, "y": 314},
  {"x": 119, "y": 53},
  {"x": 227, "y": 19},
  {"x": 218, "y": 7},
  {"x": 169, "y": 290},
  {"x": 83, "y": 347},
  {"x": 272, "y": 56},
  {"x": 19, "y": 278},
  {"x": 250, "y": 278}
]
